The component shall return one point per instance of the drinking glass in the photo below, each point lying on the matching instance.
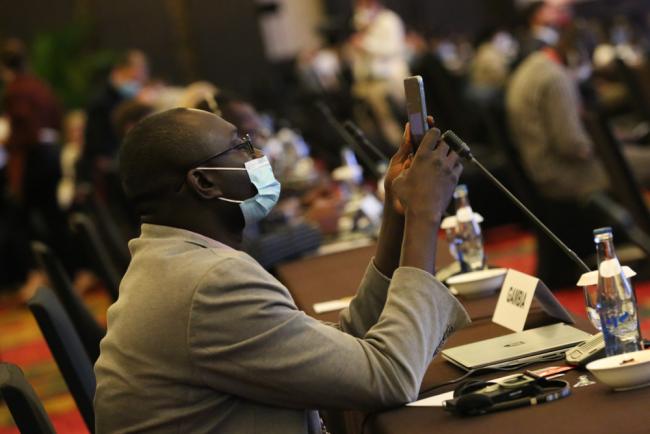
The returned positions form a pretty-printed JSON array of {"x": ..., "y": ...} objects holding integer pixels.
[{"x": 591, "y": 303}]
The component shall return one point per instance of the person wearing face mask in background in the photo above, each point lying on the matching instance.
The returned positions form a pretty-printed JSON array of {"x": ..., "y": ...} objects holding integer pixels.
[
  {"x": 129, "y": 73},
  {"x": 542, "y": 21},
  {"x": 203, "y": 339}
]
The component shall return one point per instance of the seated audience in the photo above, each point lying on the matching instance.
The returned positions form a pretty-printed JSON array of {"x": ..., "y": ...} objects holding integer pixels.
[
  {"x": 35, "y": 119},
  {"x": 285, "y": 149},
  {"x": 202, "y": 339},
  {"x": 543, "y": 21},
  {"x": 379, "y": 62},
  {"x": 544, "y": 108},
  {"x": 73, "y": 142},
  {"x": 126, "y": 79},
  {"x": 490, "y": 67}
]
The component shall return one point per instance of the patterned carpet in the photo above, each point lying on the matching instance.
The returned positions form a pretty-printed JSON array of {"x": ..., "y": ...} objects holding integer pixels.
[{"x": 22, "y": 344}]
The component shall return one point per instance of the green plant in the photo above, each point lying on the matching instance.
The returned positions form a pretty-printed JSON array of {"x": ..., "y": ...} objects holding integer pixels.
[{"x": 67, "y": 60}]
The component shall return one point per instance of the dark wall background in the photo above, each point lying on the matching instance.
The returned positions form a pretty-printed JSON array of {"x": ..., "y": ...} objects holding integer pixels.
[
  {"x": 143, "y": 24},
  {"x": 185, "y": 39},
  {"x": 228, "y": 43}
]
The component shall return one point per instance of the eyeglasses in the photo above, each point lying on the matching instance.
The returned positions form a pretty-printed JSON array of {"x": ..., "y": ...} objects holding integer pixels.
[{"x": 244, "y": 144}]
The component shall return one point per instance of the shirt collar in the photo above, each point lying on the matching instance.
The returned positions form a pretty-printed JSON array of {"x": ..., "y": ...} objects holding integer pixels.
[{"x": 159, "y": 231}]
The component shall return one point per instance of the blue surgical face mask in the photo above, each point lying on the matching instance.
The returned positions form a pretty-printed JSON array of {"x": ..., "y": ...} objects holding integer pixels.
[
  {"x": 129, "y": 89},
  {"x": 261, "y": 175}
]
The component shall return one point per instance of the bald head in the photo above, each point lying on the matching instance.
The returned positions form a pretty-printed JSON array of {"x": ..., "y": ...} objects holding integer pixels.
[{"x": 159, "y": 150}]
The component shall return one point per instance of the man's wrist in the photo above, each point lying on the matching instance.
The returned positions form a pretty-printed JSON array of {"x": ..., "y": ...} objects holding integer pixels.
[
  {"x": 423, "y": 218},
  {"x": 389, "y": 206}
]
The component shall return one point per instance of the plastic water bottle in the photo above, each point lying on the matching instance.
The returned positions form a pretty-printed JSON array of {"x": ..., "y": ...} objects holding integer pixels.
[
  {"x": 469, "y": 241},
  {"x": 616, "y": 300}
]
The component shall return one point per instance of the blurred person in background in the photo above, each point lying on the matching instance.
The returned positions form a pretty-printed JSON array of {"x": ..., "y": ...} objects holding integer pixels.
[
  {"x": 322, "y": 70},
  {"x": 544, "y": 21},
  {"x": 496, "y": 50},
  {"x": 416, "y": 47},
  {"x": 544, "y": 109},
  {"x": 73, "y": 142},
  {"x": 194, "y": 94},
  {"x": 126, "y": 79},
  {"x": 379, "y": 63},
  {"x": 455, "y": 51},
  {"x": 35, "y": 118},
  {"x": 622, "y": 41},
  {"x": 286, "y": 149},
  {"x": 127, "y": 114},
  {"x": 544, "y": 112}
]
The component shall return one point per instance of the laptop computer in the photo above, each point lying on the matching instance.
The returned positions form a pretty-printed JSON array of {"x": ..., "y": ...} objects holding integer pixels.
[{"x": 516, "y": 348}]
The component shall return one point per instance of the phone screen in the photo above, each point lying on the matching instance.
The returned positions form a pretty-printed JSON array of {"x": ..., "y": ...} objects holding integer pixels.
[{"x": 416, "y": 108}]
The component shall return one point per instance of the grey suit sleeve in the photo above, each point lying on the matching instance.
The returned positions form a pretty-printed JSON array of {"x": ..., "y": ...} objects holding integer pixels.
[
  {"x": 367, "y": 304},
  {"x": 246, "y": 338}
]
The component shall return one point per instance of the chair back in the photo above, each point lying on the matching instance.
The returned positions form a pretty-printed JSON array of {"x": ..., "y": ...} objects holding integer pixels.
[
  {"x": 107, "y": 227},
  {"x": 67, "y": 349},
  {"x": 24, "y": 406},
  {"x": 495, "y": 119},
  {"x": 637, "y": 87},
  {"x": 621, "y": 178},
  {"x": 89, "y": 330},
  {"x": 94, "y": 247}
]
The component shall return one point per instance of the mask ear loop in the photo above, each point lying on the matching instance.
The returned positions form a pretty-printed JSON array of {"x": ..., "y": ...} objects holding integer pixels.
[{"x": 227, "y": 169}]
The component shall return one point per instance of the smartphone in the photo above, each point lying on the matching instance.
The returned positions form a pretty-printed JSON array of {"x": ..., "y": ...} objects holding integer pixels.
[{"x": 416, "y": 108}]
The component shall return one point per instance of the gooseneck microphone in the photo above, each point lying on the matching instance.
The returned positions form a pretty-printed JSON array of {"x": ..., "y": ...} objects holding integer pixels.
[
  {"x": 362, "y": 140},
  {"x": 463, "y": 151},
  {"x": 347, "y": 138}
]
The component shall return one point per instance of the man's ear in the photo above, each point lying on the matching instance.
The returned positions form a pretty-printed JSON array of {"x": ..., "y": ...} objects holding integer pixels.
[{"x": 203, "y": 185}]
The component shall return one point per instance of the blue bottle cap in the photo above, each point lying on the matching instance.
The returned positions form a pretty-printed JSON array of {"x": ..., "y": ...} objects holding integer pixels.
[
  {"x": 602, "y": 231},
  {"x": 460, "y": 190}
]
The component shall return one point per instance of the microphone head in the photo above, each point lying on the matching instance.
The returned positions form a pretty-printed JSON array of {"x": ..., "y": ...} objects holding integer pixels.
[
  {"x": 457, "y": 145},
  {"x": 352, "y": 128}
]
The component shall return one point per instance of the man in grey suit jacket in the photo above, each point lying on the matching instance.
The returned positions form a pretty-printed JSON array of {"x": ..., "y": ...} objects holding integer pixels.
[{"x": 203, "y": 339}]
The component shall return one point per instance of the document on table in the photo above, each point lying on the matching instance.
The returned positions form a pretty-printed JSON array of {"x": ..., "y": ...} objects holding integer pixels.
[
  {"x": 432, "y": 401},
  {"x": 332, "y": 305}
]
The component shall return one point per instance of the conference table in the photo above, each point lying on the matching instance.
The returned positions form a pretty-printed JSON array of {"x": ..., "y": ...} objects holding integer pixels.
[{"x": 591, "y": 409}]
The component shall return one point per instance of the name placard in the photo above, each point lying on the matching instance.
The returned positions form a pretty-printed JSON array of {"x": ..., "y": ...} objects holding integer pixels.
[{"x": 516, "y": 296}]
